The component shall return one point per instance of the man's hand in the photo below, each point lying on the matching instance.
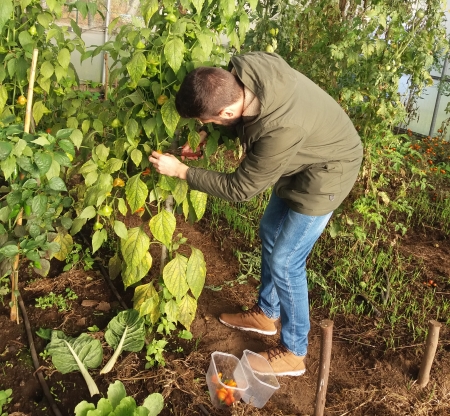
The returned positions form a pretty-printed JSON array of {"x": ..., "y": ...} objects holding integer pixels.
[{"x": 168, "y": 165}]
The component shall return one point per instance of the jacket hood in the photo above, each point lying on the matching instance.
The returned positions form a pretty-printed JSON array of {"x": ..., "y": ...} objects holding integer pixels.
[{"x": 255, "y": 68}]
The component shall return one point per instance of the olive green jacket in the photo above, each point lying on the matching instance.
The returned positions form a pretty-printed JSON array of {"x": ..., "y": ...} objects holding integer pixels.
[{"x": 302, "y": 143}]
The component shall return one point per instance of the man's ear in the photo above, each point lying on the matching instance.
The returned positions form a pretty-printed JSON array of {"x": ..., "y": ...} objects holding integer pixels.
[{"x": 227, "y": 112}]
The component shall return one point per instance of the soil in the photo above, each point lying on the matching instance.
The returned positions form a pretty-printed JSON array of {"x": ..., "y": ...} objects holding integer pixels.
[{"x": 364, "y": 379}]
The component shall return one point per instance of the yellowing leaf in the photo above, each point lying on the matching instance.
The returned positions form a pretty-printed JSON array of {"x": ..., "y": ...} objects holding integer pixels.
[
  {"x": 66, "y": 243},
  {"x": 198, "y": 201},
  {"x": 146, "y": 301},
  {"x": 132, "y": 274},
  {"x": 170, "y": 116},
  {"x": 196, "y": 272},
  {"x": 163, "y": 226},
  {"x": 135, "y": 247},
  {"x": 114, "y": 266},
  {"x": 136, "y": 192},
  {"x": 180, "y": 191},
  {"x": 174, "y": 52},
  {"x": 171, "y": 310},
  {"x": 187, "y": 310},
  {"x": 174, "y": 276}
]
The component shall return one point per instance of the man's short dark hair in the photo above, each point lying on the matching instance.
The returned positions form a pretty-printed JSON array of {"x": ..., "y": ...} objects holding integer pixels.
[{"x": 206, "y": 91}]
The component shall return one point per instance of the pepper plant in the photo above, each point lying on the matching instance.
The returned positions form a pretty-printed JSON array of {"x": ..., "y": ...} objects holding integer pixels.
[
  {"x": 24, "y": 26},
  {"x": 149, "y": 58}
]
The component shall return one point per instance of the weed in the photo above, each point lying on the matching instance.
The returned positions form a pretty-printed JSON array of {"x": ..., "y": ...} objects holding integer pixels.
[
  {"x": 79, "y": 258},
  {"x": 155, "y": 352},
  {"x": 5, "y": 398},
  {"x": 60, "y": 301}
]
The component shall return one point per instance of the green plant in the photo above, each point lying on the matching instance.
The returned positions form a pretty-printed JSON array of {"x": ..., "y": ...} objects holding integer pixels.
[
  {"x": 118, "y": 403},
  {"x": 155, "y": 350},
  {"x": 78, "y": 256},
  {"x": 5, "y": 398},
  {"x": 125, "y": 332},
  {"x": 76, "y": 354},
  {"x": 60, "y": 301}
]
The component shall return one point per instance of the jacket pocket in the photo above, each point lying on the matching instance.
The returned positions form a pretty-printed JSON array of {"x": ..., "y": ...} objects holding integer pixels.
[{"x": 320, "y": 179}]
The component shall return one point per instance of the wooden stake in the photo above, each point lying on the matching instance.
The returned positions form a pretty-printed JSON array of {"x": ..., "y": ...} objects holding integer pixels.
[
  {"x": 14, "y": 315},
  {"x": 29, "y": 108},
  {"x": 430, "y": 351},
  {"x": 326, "y": 343}
]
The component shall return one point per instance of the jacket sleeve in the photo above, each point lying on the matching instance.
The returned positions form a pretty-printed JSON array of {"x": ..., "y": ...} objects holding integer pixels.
[{"x": 265, "y": 162}]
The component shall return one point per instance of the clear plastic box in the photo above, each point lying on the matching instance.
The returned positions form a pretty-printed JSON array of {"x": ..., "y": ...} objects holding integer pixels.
[
  {"x": 262, "y": 382},
  {"x": 225, "y": 368}
]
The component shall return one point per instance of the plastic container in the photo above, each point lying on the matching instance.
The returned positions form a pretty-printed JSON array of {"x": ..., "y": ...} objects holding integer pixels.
[
  {"x": 262, "y": 382},
  {"x": 225, "y": 368}
]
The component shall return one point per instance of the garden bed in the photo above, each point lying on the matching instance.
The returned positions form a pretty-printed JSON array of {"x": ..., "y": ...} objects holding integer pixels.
[{"x": 365, "y": 379}]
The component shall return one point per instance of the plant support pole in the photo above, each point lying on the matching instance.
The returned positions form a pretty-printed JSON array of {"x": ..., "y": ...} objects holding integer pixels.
[
  {"x": 326, "y": 327},
  {"x": 430, "y": 351},
  {"x": 30, "y": 92}
]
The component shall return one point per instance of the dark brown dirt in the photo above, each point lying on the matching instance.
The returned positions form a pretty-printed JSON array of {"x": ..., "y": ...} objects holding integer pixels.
[{"x": 364, "y": 378}]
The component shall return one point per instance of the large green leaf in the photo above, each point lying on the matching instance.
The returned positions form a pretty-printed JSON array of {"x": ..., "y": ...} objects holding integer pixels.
[
  {"x": 131, "y": 128},
  {"x": 72, "y": 354},
  {"x": 137, "y": 66},
  {"x": 196, "y": 272},
  {"x": 43, "y": 162},
  {"x": 163, "y": 226},
  {"x": 6, "y": 9},
  {"x": 187, "y": 309},
  {"x": 198, "y": 201},
  {"x": 120, "y": 229},
  {"x": 154, "y": 404},
  {"x": 64, "y": 58},
  {"x": 125, "y": 332},
  {"x": 136, "y": 192},
  {"x": 134, "y": 274},
  {"x": 135, "y": 246},
  {"x": 5, "y": 150},
  {"x": 174, "y": 52},
  {"x": 170, "y": 116},
  {"x": 99, "y": 237},
  {"x": 116, "y": 393},
  {"x": 174, "y": 276},
  {"x": 148, "y": 9},
  {"x": 8, "y": 166}
]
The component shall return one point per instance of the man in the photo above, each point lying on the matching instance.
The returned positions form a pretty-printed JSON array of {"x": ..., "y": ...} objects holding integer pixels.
[{"x": 296, "y": 139}]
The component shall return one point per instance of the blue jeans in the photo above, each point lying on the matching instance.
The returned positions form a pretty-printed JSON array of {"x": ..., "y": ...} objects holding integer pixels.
[{"x": 287, "y": 239}]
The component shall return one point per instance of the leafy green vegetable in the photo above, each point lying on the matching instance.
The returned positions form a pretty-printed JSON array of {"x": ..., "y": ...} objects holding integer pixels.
[
  {"x": 72, "y": 354},
  {"x": 125, "y": 332},
  {"x": 119, "y": 404}
]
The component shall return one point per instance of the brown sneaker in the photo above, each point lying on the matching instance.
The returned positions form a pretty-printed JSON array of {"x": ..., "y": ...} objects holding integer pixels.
[
  {"x": 251, "y": 320},
  {"x": 284, "y": 362}
]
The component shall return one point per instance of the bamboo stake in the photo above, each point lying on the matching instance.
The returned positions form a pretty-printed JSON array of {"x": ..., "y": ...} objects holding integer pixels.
[
  {"x": 430, "y": 351},
  {"x": 30, "y": 91},
  {"x": 14, "y": 315},
  {"x": 326, "y": 327}
]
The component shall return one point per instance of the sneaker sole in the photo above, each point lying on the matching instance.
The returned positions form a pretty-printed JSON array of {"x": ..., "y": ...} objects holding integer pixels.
[
  {"x": 286, "y": 373},
  {"x": 259, "y": 331}
]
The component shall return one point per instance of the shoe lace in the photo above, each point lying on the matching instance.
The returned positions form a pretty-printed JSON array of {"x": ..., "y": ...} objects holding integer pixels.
[
  {"x": 256, "y": 310},
  {"x": 274, "y": 352}
]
